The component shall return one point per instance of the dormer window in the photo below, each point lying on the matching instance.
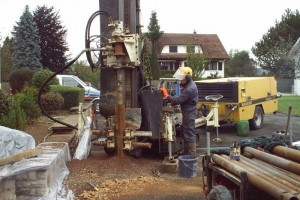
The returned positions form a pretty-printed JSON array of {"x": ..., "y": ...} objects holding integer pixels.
[{"x": 173, "y": 49}]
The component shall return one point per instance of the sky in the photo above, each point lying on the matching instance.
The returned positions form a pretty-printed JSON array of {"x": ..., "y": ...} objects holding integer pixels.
[{"x": 238, "y": 23}]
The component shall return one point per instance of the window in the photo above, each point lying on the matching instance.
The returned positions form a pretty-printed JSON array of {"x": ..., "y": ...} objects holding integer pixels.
[
  {"x": 172, "y": 49},
  {"x": 213, "y": 66},
  {"x": 220, "y": 66}
]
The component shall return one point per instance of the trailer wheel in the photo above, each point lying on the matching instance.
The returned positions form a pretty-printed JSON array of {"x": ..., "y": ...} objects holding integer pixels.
[
  {"x": 219, "y": 192},
  {"x": 257, "y": 121}
]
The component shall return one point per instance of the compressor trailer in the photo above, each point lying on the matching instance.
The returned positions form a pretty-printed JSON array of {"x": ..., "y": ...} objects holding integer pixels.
[{"x": 244, "y": 98}]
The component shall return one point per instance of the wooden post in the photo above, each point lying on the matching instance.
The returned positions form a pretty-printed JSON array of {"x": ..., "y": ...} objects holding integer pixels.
[
  {"x": 20, "y": 156},
  {"x": 120, "y": 127},
  {"x": 79, "y": 119}
]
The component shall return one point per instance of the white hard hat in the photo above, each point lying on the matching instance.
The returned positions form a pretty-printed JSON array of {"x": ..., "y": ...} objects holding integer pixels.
[{"x": 182, "y": 72}]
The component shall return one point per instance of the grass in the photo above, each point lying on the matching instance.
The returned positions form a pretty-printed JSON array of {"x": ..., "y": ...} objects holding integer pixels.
[{"x": 285, "y": 101}]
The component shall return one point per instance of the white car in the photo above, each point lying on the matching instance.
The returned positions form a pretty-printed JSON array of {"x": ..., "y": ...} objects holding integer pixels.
[{"x": 74, "y": 81}]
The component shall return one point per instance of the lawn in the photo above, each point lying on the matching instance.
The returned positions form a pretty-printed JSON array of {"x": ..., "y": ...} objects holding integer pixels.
[{"x": 285, "y": 101}]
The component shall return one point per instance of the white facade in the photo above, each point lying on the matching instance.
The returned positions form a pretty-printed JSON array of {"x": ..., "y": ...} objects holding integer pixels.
[
  {"x": 215, "y": 67},
  {"x": 297, "y": 87},
  {"x": 295, "y": 54}
]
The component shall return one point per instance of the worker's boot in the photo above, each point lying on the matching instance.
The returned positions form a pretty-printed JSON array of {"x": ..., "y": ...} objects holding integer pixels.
[
  {"x": 183, "y": 151},
  {"x": 191, "y": 148}
]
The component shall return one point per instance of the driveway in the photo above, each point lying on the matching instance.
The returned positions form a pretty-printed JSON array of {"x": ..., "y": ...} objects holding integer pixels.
[{"x": 271, "y": 124}]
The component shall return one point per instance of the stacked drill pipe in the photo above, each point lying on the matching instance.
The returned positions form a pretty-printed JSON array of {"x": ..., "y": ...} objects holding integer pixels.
[
  {"x": 286, "y": 152},
  {"x": 275, "y": 160},
  {"x": 261, "y": 180},
  {"x": 283, "y": 184}
]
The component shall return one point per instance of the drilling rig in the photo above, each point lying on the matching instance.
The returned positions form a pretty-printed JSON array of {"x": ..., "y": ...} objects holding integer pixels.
[
  {"x": 136, "y": 115},
  {"x": 149, "y": 121}
]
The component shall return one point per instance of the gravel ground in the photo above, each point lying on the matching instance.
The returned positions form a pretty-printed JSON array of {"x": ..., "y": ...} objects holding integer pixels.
[{"x": 122, "y": 178}]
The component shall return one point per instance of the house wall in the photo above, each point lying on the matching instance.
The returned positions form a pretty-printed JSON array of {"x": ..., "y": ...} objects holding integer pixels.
[
  {"x": 297, "y": 87},
  {"x": 173, "y": 64}
]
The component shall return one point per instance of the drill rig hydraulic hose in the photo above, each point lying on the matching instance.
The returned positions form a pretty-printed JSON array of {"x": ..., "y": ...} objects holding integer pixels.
[
  {"x": 51, "y": 77},
  {"x": 88, "y": 37}
]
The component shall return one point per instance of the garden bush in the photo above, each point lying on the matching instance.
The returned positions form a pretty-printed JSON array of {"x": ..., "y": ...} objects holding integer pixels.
[
  {"x": 28, "y": 105},
  {"x": 5, "y": 102},
  {"x": 16, "y": 118},
  {"x": 41, "y": 76},
  {"x": 18, "y": 78},
  {"x": 52, "y": 101},
  {"x": 72, "y": 95}
]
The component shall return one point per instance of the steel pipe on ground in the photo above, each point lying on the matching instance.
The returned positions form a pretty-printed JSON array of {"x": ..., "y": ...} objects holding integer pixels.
[
  {"x": 270, "y": 169},
  {"x": 288, "y": 153},
  {"x": 274, "y": 160},
  {"x": 266, "y": 176},
  {"x": 253, "y": 179}
]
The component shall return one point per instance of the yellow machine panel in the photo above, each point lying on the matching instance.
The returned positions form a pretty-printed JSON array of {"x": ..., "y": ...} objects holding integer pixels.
[{"x": 244, "y": 98}]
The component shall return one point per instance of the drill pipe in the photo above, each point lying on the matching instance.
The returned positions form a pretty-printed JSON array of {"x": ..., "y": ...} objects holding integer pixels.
[
  {"x": 288, "y": 153},
  {"x": 266, "y": 176},
  {"x": 274, "y": 160},
  {"x": 270, "y": 169},
  {"x": 253, "y": 179},
  {"x": 280, "y": 170}
]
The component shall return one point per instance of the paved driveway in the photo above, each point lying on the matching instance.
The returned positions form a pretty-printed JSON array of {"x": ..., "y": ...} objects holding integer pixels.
[{"x": 272, "y": 123}]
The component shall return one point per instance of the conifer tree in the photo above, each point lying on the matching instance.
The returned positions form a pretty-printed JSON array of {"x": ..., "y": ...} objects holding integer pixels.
[
  {"x": 53, "y": 38},
  {"x": 154, "y": 34},
  {"x": 26, "y": 40},
  {"x": 6, "y": 59}
]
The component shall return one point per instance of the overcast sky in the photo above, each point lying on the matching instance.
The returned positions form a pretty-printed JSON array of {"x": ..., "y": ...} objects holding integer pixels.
[{"x": 238, "y": 23}]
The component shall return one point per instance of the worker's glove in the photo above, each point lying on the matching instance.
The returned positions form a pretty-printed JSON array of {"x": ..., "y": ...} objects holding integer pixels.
[{"x": 164, "y": 92}]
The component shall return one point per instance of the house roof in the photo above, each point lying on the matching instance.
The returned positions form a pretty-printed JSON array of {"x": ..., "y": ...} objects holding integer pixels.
[{"x": 209, "y": 43}]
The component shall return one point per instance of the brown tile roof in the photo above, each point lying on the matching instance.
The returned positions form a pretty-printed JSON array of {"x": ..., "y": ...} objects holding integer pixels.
[{"x": 209, "y": 42}]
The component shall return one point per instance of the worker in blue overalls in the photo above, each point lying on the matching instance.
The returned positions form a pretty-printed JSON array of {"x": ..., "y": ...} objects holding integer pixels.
[{"x": 187, "y": 100}]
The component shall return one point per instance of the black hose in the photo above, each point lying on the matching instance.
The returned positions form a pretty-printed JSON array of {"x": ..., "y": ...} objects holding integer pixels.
[
  {"x": 87, "y": 37},
  {"x": 227, "y": 115},
  {"x": 41, "y": 91}
]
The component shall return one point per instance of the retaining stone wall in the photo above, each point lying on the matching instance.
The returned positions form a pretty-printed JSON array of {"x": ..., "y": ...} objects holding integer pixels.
[{"x": 35, "y": 183}]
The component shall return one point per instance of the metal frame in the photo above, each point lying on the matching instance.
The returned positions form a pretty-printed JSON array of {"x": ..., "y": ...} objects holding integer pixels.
[{"x": 241, "y": 182}]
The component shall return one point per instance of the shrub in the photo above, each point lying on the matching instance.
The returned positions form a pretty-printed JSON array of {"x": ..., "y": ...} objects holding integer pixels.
[
  {"x": 41, "y": 76},
  {"x": 19, "y": 78},
  {"x": 72, "y": 95},
  {"x": 28, "y": 104},
  {"x": 31, "y": 91},
  {"x": 52, "y": 101},
  {"x": 16, "y": 118},
  {"x": 5, "y": 102}
]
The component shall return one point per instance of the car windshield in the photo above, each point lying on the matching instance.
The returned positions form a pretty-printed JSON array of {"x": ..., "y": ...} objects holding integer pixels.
[{"x": 79, "y": 80}]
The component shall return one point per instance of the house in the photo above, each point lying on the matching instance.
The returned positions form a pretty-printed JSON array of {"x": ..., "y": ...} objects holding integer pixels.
[
  {"x": 172, "y": 51},
  {"x": 294, "y": 54}
]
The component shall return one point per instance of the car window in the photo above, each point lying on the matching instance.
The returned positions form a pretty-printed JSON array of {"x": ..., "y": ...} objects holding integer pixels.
[{"x": 68, "y": 81}]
